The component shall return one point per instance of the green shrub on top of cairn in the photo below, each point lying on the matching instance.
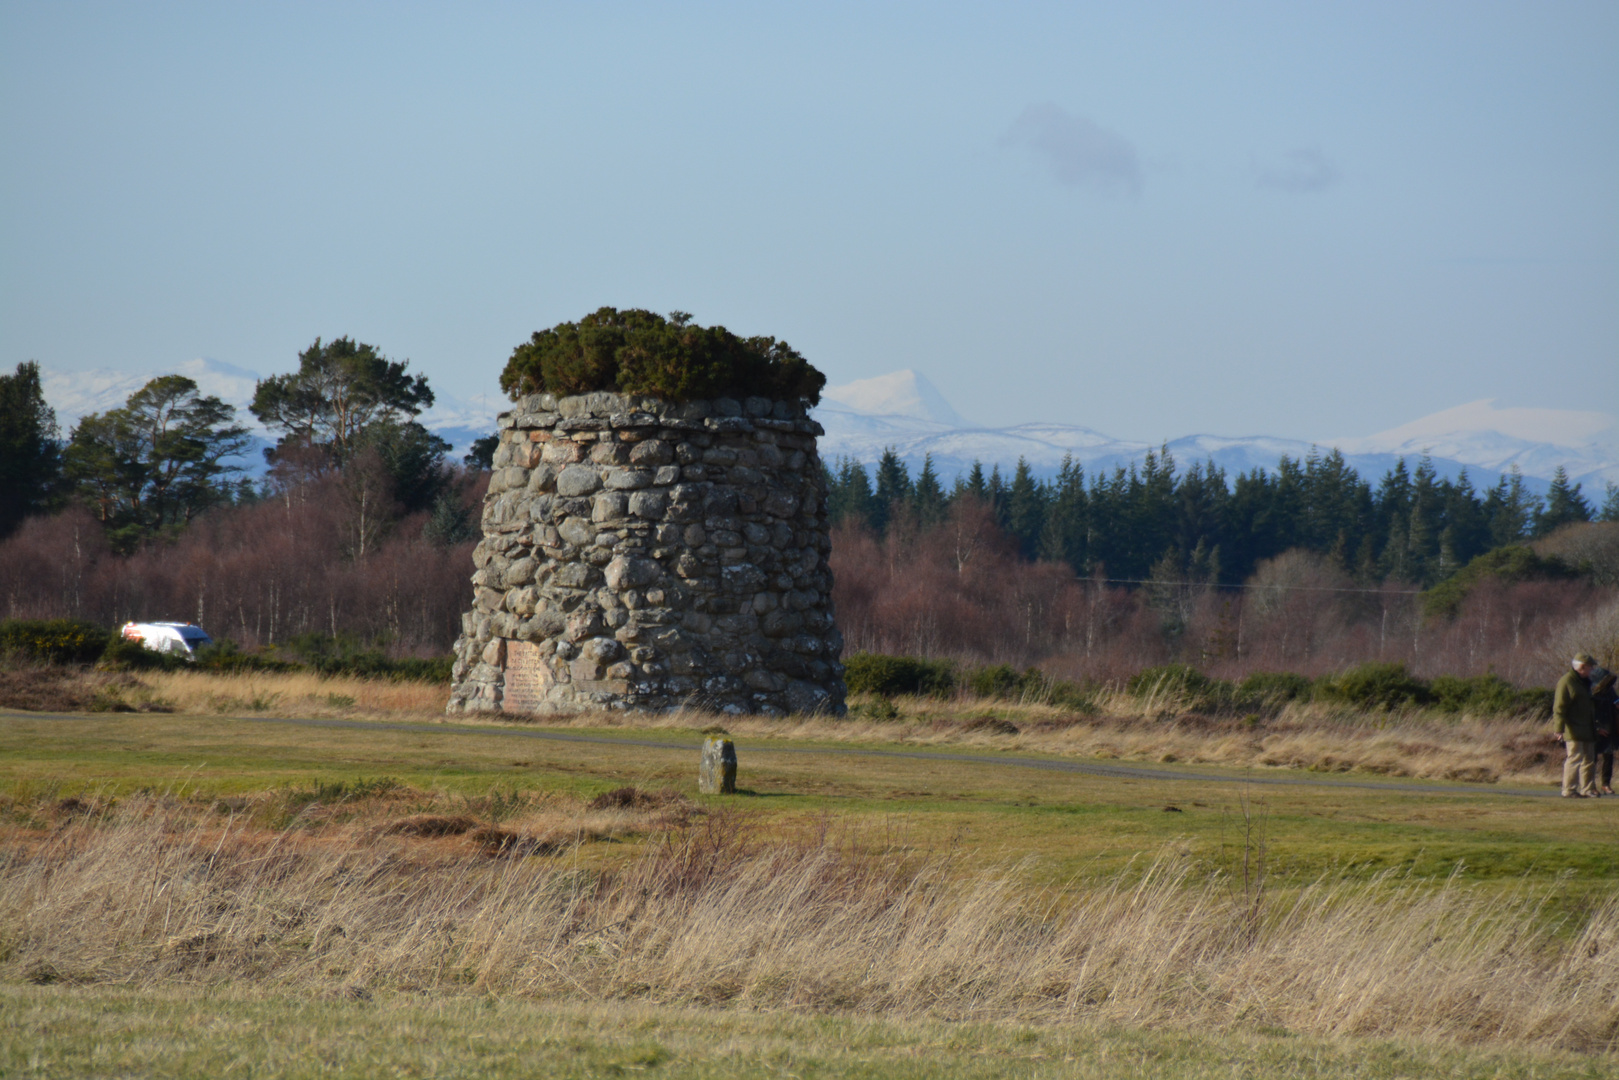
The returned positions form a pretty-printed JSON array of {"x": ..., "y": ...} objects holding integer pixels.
[{"x": 640, "y": 352}]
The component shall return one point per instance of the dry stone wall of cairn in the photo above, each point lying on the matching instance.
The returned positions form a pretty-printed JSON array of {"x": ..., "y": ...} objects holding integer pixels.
[{"x": 639, "y": 553}]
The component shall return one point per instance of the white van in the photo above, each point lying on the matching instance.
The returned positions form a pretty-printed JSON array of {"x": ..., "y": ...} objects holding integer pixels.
[{"x": 175, "y": 638}]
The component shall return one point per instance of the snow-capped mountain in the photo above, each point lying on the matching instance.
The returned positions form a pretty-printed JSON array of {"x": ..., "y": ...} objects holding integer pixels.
[
  {"x": 1537, "y": 441},
  {"x": 902, "y": 410},
  {"x": 905, "y": 411},
  {"x": 899, "y": 393},
  {"x": 76, "y": 394}
]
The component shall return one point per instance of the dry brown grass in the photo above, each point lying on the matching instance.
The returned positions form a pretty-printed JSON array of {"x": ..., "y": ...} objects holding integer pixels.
[
  {"x": 721, "y": 913},
  {"x": 1416, "y": 743},
  {"x": 298, "y": 693},
  {"x": 49, "y": 688}
]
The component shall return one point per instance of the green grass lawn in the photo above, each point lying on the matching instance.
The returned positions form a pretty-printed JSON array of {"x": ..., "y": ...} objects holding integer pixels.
[
  {"x": 1062, "y": 825},
  {"x": 180, "y": 1033},
  {"x": 1072, "y": 823}
]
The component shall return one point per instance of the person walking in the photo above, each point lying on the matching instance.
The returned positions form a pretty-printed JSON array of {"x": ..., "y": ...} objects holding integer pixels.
[
  {"x": 1574, "y": 721},
  {"x": 1604, "y": 699}
]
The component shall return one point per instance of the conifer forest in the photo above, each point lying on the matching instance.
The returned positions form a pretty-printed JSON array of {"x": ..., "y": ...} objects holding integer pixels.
[{"x": 359, "y": 535}]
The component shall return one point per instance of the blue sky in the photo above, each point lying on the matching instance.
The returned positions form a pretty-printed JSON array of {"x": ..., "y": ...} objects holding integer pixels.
[{"x": 1307, "y": 220}]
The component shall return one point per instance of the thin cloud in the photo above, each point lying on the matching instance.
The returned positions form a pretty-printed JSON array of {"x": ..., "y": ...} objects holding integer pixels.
[
  {"x": 1300, "y": 172},
  {"x": 1078, "y": 151}
]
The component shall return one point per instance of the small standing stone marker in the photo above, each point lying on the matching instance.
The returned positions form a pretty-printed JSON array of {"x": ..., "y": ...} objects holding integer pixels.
[{"x": 717, "y": 773}]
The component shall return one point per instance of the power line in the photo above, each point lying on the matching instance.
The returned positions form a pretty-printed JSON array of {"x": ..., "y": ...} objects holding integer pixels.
[{"x": 1288, "y": 588}]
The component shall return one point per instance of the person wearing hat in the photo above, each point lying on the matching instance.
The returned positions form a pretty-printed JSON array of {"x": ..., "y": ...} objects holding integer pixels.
[{"x": 1574, "y": 721}]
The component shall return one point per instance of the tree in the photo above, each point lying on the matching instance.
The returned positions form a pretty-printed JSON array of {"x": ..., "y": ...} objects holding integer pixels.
[
  {"x": 928, "y": 496},
  {"x": 1610, "y": 503},
  {"x": 1510, "y": 510},
  {"x": 893, "y": 487},
  {"x": 849, "y": 494},
  {"x": 976, "y": 485},
  {"x": 30, "y": 450},
  {"x": 481, "y": 454},
  {"x": 1026, "y": 508},
  {"x": 339, "y": 390},
  {"x": 158, "y": 461},
  {"x": 1564, "y": 504},
  {"x": 412, "y": 458},
  {"x": 1063, "y": 537}
]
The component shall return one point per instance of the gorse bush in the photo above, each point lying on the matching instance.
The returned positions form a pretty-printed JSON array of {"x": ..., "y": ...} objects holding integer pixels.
[
  {"x": 343, "y": 654},
  {"x": 888, "y": 676},
  {"x": 121, "y": 655},
  {"x": 640, "y": 352},
  {"x": 225, "y": 655},
  {"x": 1378, "y": 687},
  {"x": 1274, "y": 688},
  {"x": 1181, "y": 681},
  {"x": 873, "y": 673},
  {"x": 54, "y": 641},
  {"x": 66, "y": 641},
  {"x": 1487, "y": 694},
  {"x": 1374, "y": 686}
]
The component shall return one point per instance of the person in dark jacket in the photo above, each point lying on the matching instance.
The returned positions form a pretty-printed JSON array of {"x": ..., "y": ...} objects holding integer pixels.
[
  {"x": 1604, "y": 699},
  {"x": 1574, "y": 721}
]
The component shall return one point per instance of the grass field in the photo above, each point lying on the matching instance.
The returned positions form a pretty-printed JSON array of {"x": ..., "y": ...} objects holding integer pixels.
[
  {"x": 170, "y": 885},
  {"x": 188, "y": 1034}
]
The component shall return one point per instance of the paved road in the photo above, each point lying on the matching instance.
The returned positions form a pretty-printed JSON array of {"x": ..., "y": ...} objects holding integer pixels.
[{"x": 1089, "y": 768}]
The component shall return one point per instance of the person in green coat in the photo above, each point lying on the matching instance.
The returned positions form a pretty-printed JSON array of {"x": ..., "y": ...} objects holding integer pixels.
[{"x": 1574, "y": 721}]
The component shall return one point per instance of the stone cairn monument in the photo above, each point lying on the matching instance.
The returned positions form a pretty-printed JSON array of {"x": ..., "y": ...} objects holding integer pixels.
[{"x": 647, "y": 553}]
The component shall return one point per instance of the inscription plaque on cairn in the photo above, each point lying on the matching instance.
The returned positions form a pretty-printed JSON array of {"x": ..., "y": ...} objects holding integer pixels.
[
  {"x": 643, "y": 553},
  {"x": 527, "y": 678}
]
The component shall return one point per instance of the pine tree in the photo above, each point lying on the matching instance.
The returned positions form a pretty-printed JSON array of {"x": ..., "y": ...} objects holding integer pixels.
[
  {"x": 976, "y": 485},
  {"x": 995, "y": 495},
  {"x": 893, "y": 488},
  {"x": 1610, "y": 504},
  {"x": 1337, "y": 505},
  {"x": 1393, "y": 499},
  {"x": 1063, "y": 538},
  {"x": 1251, "y": 523},
  {"x": 1564, "y": 505},
  {"x": 927, "y": 497},
  {"x": 30, "y": 451},
  {"x": 1509, "y": 510},
  {"x": 1200, "y": 499},
  {"x": 158, "y": 461},
  {"x": 1026, "y": 508},
  {"x": 1467, "y": 528},
  {"x": 1152, "y": 510},
  {"x": 1426, "y": 522},
  {"x": 849, "y": 496}
]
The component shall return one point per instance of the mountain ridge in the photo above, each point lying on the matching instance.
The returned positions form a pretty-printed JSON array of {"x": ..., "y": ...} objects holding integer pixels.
[{"x": 903, "y": 409}]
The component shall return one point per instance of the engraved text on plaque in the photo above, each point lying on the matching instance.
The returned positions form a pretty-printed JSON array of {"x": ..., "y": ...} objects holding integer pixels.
[{"x": 528, "y": 677}]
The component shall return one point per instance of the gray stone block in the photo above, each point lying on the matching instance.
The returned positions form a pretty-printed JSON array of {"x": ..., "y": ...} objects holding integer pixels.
[
  {"x": 578, "y": 480},
  {"x": 716, "y": 770}
]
